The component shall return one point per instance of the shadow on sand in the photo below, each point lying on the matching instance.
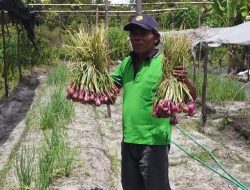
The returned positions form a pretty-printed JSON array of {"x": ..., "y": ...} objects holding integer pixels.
[{"x": 14, "y": 109}]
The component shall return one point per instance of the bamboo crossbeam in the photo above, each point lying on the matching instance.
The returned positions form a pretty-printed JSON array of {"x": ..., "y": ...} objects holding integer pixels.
[
  {"x": 118, "y": 4},
  {"x": 94, "y": 11}
]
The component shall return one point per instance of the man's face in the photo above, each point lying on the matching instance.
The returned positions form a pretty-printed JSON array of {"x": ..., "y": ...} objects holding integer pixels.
[{"x": 143, "y": 41}]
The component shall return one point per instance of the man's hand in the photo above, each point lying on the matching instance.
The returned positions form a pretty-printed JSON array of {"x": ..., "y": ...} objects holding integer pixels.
[{"x": 180, "y": 73}]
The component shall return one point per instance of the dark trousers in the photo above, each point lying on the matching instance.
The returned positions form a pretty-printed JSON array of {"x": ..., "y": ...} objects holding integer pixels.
[{"x": 145, "y": 167}]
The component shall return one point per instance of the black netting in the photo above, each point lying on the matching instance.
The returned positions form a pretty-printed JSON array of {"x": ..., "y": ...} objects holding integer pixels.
[{"x": 20, "y": 12}]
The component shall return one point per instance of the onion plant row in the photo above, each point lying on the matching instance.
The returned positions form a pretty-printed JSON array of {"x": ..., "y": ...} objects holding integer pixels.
[{"x": 37, "y": 168}]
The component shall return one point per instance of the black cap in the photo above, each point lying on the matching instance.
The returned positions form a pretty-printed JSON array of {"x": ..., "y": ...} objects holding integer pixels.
[{"x": 145, "y": 21}]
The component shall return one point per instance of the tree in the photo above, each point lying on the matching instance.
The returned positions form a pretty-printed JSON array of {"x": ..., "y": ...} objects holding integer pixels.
[
  {"x": 231, "y": 12},
  {"x": 228, "y": 10}
]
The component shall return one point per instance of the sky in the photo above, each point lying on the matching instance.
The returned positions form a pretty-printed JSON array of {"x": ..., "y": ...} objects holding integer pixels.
[{"x": 119, "y": 1}]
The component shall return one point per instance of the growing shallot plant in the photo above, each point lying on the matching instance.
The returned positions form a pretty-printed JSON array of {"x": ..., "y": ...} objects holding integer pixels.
[
  {"x": 91, "y": 82},
  {"x": 24, "y": 166},
  {"x": 173, "y": 95}
]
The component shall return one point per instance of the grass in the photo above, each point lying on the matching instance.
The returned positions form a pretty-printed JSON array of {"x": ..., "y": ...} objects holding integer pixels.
[
  {"x": 224, "y": 123},
  {"x": 45, "y": 169},
  {"x": 202, "y": 155},
  {"x": 11, "y": 159},
  {"x": 55, "y": 157},
  {"x": 24, "y": 167},
  {"x": 58, "y": 111},
  {"x": 115, "y": 163},
  {"x": 57, "y": 142},
  {"x": 191, "y": 125},
  {"x": 59, "y": 75},
  {"x": 115, "y": 167},
  {"x": 220, "y": 89}
]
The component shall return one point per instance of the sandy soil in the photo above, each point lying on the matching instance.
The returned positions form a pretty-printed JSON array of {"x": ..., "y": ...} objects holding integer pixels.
[{"x": 97, "y": 141}]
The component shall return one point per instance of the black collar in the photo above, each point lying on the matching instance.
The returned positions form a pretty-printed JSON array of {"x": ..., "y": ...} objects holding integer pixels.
[{"x": 149, "y": 56}]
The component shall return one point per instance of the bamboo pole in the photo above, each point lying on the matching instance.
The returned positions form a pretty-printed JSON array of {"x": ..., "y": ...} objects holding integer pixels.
[
  {"x": 5, "y": 66},
  {"x": 133, "y": 11},
  {"x": 194, "y": 70},
  {"x": 106, "y": 28},
  {"x": 248, "y": 58},
  {"x": 18, "y": 53},
  {"x": 138, "y": 7},
  {"x": 199, "y": 17},
  {"x": 204, "y": 86},
  {"x": 97, "y": 15},
  {"x": 119, "y": 4},
  {"x": 172, "y": 21}
]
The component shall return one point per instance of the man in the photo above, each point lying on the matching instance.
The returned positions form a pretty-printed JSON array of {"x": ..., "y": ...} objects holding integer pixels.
[{"x": 146, "y": 139}]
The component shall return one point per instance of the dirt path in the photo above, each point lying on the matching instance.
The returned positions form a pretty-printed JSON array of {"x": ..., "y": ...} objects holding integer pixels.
[
  {"x": 13, "y": 113},
  {"x": 97, "y": 141}
]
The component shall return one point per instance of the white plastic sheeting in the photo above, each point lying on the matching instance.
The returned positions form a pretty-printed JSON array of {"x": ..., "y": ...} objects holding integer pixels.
[
  {"x": 214, "y": 37},
  {"x": 239, "y": 34}
]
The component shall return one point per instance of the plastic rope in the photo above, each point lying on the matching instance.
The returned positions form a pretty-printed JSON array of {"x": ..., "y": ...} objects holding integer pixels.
[
  {"x": 214, "y": 158},
  {"x": 229, "y": 177}
]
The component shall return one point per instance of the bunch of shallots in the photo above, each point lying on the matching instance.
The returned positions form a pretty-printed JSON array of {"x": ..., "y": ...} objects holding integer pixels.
[
  {"x": 91, "y": 83},
  {"x": 173, "y": 96},
  {"x": 91, "y": 87}
]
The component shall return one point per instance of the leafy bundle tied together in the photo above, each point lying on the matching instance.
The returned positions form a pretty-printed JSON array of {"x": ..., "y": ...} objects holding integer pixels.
[
  {"x": 173, "y": 95},
  {"x": 91, "y": 82}
]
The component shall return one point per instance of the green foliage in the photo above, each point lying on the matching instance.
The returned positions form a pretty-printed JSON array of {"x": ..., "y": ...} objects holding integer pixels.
[
  {"x": 203, "y": 155},
  {"x": 118, "y": 43},
  {"x": 220, "y": 89},
  {"x": 187, "y": 18},
  {"x": 218, "y": 56},
  {"x": 227, "y": 10},
  {"x": 56, "y": 142},
  {"x": 55, "y": 159},
  {"x": 211, "y": 21},
  {"x": 59, "y": 75},
  {"x": 58, "y": 111},
  {"x": 244, "y": 8},
  {"x": 24, "y": 166},
  {"x": 49, "y": 42},
  {"x": 46, "y": 168},
  {"x": 11, "y": 61},
  {"x": 224, "y": 122}
]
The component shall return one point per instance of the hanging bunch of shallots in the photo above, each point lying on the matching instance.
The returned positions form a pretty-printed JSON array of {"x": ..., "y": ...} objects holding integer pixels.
[
  {"x": 91, "y": 82},
  {"x": 173, "y": 96}
]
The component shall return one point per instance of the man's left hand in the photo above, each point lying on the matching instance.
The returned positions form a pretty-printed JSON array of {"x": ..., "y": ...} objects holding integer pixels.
[{"x": 180, "y": 73}]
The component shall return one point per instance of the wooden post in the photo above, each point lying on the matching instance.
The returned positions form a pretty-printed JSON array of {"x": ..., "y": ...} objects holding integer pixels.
[
  {"x": 204, "y": 86},
  {"x": 89, "y": 21},
  {"x": 200, "y": 56},
  {"x": 248, "y": 59},
  {"x": 199, "y": 17},
  {"x": 172, "y": 21},
  {"x": 18, "y": 53},
  {"x": 5, "y": 66},
  {"x": 138, "y": 7},
  {"x": 107, "y": 41},
  {"x": 194, "y": 70},
  {"x": 106, "y": 15},
  {"x": 97, "y": 15}
]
